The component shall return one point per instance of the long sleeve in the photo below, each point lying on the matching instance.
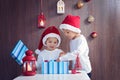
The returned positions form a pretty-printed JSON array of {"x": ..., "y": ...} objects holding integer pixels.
[{"x": 72, "y": 55}]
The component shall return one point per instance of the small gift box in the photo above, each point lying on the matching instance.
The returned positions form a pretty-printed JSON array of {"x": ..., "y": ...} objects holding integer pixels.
[
  {"x": 45, "y": 67},
  {"x": 55, "y": 67},
  {"x": 51, "y": 67},
  {"x": 18, "y": 52},
  {"x": 60, "y": 65},
  {"x": 65, "y": 67}
]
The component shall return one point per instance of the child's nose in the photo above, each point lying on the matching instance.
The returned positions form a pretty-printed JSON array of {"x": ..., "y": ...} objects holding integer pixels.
[
  {"x": 65, "y": 34},
  {"x": 52, "y": 43}
]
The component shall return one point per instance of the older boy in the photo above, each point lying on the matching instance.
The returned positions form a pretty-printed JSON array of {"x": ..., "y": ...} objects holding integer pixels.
[{"x": 78, "y": 44}]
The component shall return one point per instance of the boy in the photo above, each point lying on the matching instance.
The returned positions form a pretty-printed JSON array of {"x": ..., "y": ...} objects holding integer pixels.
[
  {"x": 78, "y": 44},
  {"x": 50, "y": 39}
]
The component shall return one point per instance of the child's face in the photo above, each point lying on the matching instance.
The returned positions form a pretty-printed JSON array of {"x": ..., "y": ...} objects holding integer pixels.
[
  {"x": 70, "y": 34},
  {"x": 51, "y": 43}
]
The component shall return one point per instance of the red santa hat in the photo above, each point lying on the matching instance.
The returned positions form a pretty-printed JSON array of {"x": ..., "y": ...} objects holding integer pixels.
[
  {"x": 71, "y": 23},
  {"x": 51, "y": 31}
]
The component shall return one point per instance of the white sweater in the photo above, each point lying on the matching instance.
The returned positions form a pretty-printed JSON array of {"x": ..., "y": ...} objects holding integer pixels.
[{"x": 79, "y": 46}]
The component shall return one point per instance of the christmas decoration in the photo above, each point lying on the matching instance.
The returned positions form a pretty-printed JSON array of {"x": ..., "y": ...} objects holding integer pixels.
[
  {"x": 77, "y": 63},
  {"x": 80, "y": 4},
  {"x": 73, "y": 71},
  {"x": 41, "y": 19},
  {"x": 60, "y": 7},
  {"x": 77, "y": 66},
  {"x": 94, "y": 34},
  {"x": 29, "y": 64},
  {"x": 91, "y": 19}
]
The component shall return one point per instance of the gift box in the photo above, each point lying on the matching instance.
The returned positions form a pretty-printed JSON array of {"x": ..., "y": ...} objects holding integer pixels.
[
  {"x": 45, "y": 67},
  {"x": 65, "y": 67},
  {"x": 18, "y": 52},
  {"x": 53, "y": 67},
  {"x": 21, "y": 54},
  {"x": 61, "y": 68},
  {"x": 17, "y": 48}
]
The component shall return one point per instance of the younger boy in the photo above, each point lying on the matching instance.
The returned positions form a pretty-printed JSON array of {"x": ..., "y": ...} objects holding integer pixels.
[
  {"x": 51, "y": 40},
  {"x": 78, "y": 44}
]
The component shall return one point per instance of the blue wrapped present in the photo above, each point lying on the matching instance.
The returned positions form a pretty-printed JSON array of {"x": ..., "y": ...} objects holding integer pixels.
[
  {"x": 44, "y": 68},
  {"x": 21, "y": 54},
  {"x": 61, "y": 68},
  {"x": 51, "y": 67},
  {"x": 65, "y": 67},
  {"x": 18, "y": 52},
  {"x": 17, "y": 48},
  {"x": 55, "y": 65}
]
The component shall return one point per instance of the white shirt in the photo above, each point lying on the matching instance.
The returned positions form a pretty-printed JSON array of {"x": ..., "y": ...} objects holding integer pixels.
[{"x": 79, "y": 46}]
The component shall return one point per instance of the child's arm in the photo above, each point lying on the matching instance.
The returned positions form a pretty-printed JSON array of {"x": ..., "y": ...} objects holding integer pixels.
[
  {"x": 68, "y": 56},
  {"x": 82, "y": 50}
]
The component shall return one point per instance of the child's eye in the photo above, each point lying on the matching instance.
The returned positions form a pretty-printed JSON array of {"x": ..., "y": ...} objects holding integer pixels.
[
  {"x": 67, "y": 32},
  {"x": 50, "y": 41},
  {"x": 55, "y": 42}
]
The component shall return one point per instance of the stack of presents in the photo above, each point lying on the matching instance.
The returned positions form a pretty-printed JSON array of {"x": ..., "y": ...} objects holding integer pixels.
[{"x": 53, "y": 67}]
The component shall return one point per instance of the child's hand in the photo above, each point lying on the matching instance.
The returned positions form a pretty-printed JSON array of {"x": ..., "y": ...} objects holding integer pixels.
[
  {"x": 58, "y": 60},
  {"x": 61, "y": 54}
]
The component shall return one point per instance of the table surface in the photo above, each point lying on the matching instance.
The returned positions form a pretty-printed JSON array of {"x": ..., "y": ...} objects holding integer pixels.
[{"x": 80, "y": 76}]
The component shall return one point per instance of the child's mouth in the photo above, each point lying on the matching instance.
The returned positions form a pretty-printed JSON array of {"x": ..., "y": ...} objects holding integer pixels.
[{"x": 51, "y": 46}]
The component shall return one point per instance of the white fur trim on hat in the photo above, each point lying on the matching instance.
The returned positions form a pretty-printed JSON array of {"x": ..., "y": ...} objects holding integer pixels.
[
  {"x": 51, "y": 35},
  {"x": 70, "y": 27}
]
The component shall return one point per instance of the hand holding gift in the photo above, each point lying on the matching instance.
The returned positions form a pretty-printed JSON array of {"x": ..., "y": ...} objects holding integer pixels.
[{"x": 60, "y": 55}]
